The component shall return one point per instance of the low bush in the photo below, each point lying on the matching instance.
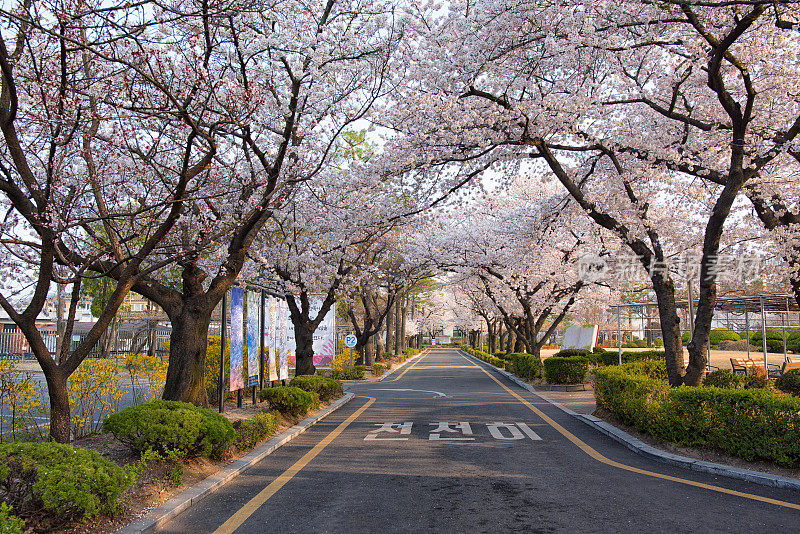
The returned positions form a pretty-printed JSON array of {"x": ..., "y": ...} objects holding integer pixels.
[
  {"x": 59, "y": 483},
  {"x": 789, "y": 382},
  {"x": 570, "y": 370},
  {"x": 289, "y": 400},
  {"x": 723, "y": 379},
  {"x": 599, "y": 350},
  {"x": 356, "y": 373},
  {"x": 527, "y": 366},
  {"x": 326, "y": 388},
  {"x": 170, "y": 426},
  {"x": 378, "y": 369},
  {"x": 722, "y": 334},
  {"x": 568, "y": 353},
  {"x": 612, "y": 358},
  {"x": 752, "y": 424},
  {"x": 775, "y": 339},
  {"x": 9, "y": 523},
  {"x": 249, "y": 432}
]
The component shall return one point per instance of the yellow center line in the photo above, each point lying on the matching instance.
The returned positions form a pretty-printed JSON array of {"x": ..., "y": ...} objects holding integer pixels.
[
  {"x": 422, "y": 356},
  {"x": 600, "y": 458},
  {"x": 256, "y": 502}
]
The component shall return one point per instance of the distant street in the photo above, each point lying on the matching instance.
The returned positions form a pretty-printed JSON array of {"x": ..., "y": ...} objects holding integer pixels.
[{"x": 449, "y": 447}]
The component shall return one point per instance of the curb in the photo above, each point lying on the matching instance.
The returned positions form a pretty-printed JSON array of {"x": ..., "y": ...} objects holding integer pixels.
[
  {"x": 193, "y": 495},
  {"x": 648, "y": 451}
]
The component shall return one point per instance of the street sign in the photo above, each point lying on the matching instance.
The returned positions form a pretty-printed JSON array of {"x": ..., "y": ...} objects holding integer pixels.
[{"x": 350, "y": 340}]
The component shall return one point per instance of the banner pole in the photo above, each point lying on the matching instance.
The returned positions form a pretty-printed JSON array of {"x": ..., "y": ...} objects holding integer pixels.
[{"x": 222, "y": 353}]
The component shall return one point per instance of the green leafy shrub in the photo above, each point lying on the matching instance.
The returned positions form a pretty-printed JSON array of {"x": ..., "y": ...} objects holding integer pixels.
[
  {"x": 289, "y": 400},
  {"x": 570, "y": 370},
  {"x": 326, "y": 388},
  {"x": 775, "y": 339},
  {"x": 63, "y": 482},
  {"x": 211, "y": 366},
  {"x": 378, "y": 369},
  {"x": 356, "y": 373},
  {"x": 165, "y": 426},
  {"x": 789, "y": 382},
  {"x": 752, "y": 424},
  {"x": 599, "y": 350},
  {"x": 723, "y": 379},
  {"x": 527, "y": 366},
  {"x": 686, "y": 337},
  {"x": 722, "y": 334},
  {"x": 568, "y": 353},
  {"x": 658, "y": 342},
  {"x": 612, "y": 358},
  {"x": 249, "y": 432},
  {"x": 9, "y": 523}
]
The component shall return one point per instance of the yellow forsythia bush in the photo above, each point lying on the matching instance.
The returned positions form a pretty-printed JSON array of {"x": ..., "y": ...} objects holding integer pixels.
[
  {"x": 95, "y": 392},
  {"x": 147, "y": 376},
  {"x": 20, "y": 401}
]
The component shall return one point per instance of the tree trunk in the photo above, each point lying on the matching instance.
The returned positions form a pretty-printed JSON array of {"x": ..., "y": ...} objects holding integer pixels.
[
  {"x": 188, "y": 342},
  {"x": 59, "y": 407},
  {"x": 304, "y": 339},
  {"x": 398, "y": 339},
  {"x": 670, "y": 328},
  {"x": 389, "y": 330},
  {"x": 404, "y": 312},
  {"x": 369, "y": 353},
  {"x": 381, "y": 346}
]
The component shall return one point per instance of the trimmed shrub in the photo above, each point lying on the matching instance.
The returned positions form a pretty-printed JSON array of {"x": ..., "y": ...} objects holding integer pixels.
[
  {"x": 499, "y": 354},
  {"x": 326, "y": 388},
  {"x": 686, "y": 337},
  {"x": 723, "y": 379},
  {"x": 171, "y": 427},
  {"x": 63, "y": 481},
  {"x": 378, "y": 369},
  {"x": 289, "y": 400},
  {"x": 527, "y": 366},
  {"x": 722, "y": 334},
  {"x": 356, "y": 373},
  {"x": 566, "y": 370},
  {"x": 752, "y": 424},
  {"x": 9, "y": 523},
  {"x": 775, "y": 340},
  {"x": 568, "y": 353},
  {"x": 789, "y": 382},
  {"x": 612, "y": 358},
  {"x": 599, "y": 350},
  {"x": 249, "y": 432}
]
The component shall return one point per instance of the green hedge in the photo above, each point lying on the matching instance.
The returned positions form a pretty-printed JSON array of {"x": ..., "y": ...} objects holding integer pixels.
[
  {"x": 570, "y": 370},
  {"x": 789, "y": 382},
  {"x": 723, "y": 378},
  {"x": 527, "y": 366},
  {"x": 567, "y": 353},
  {"x": 249, "y": 432},
  {"x": 64, "y": 481},
  {"x": 775, "y": 340},
  {"x": 612, "y": 357},
  {"x": 356, "y": 373},
  {"x": 289, "y": 400},
  {"x": 171, "y": 426},
  {"x": 749, "y": 423},
  {"x": 326, "y": 388}
]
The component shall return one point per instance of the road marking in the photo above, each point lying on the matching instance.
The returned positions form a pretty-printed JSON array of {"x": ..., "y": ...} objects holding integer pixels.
[
  {"x": 445, "y": 367},
  {"x": 438, "y": 393},
  {"x": 404, "y": 429},
  {"x": 602, "y": 459},
  {"x": 263, "y": 496},
  {"x": 421, "y": 357}
]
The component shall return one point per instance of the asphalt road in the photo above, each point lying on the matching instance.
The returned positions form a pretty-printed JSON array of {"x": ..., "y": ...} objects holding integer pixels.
[{"x": 446, "y": 448}]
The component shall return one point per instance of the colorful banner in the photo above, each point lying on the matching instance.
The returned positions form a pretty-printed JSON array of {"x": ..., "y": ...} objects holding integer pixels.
[
  {"x": 253, "y": 337},
  {"x": 237, "y": 341},
  {"x": 283, "y": 345},
  {"x": 324, "y": 336},
  {"x": 271, "y": 337}
]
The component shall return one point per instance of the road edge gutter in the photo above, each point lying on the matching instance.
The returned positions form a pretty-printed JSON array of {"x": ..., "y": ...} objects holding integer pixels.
[
  {"x": 194, "y": 494},
  {"x": 638, "y": 446}
]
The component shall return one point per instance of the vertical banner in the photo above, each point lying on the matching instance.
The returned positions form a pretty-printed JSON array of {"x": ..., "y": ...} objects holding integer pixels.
[
  {"x": 253, "y": 337},
  {"x": 237, "y": 341},
  {"x": 271, "y": 369},
  {"x": 324, "y": 336},
  {"x": 273, "y": 339},
  {"x": 283, "y": 345}
]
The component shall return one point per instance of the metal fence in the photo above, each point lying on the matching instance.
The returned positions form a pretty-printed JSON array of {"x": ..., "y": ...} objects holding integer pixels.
[{"x": 145, "y": 341}]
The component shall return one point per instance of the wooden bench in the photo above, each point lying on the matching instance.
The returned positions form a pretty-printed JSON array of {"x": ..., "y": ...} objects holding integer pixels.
[
  {"x": 792, "y": 362},
  {"x": 743, "y": 365}
]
